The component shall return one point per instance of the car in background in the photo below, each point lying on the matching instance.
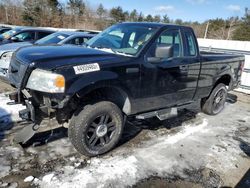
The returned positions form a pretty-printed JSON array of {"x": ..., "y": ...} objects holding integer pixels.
[
  {"x": 24, "y": 34},
  {"x": 89, "y": 31},
  {"x": 65, "y": 37},
  {"x": 4, "y": 29},
  {"x": 61, "y": 37}
]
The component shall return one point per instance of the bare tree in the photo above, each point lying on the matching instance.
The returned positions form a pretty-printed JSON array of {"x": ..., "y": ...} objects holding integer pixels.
[{"x": 232, "y": 28}]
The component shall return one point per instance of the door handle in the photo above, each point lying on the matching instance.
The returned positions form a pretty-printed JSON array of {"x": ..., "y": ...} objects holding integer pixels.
[
  {"x": 132, "y": 70},
  {"x": 184, "y": 67}
]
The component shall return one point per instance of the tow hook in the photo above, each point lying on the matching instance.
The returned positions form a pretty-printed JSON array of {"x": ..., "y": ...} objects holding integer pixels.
[{"x": 26, "y": 133}]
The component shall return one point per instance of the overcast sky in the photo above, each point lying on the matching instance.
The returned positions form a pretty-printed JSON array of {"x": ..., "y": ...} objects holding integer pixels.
[{"x": 188, "y": 10}]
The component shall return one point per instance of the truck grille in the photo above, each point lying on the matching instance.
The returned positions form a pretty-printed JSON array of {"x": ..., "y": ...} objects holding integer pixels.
[{"x": 17, "y": 72}]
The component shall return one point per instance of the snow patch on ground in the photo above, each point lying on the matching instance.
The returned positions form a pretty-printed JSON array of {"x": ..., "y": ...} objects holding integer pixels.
[
  {"x": 10, "y": 111},
  {"x": 28, "y": 179},
  {"x": 202, "y": 142},
  {"x": 10, "y": 152},
  {"x": 188, "y": 130},
  {"x": 98, "y": 174},
  {"x": 127, "y": 170},
  {"x": 48, "y": 177},
  {"x": 242, "y": 90}
]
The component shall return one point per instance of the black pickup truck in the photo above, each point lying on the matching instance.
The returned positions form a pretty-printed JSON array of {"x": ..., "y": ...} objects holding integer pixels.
[{"x": 130, "y": 69}]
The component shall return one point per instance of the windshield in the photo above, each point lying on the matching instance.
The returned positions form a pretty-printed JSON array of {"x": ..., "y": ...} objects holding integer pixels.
[
  {"x": 123, "y": 39},
  {"x": 54, "y": 38},
  {"x": 9, "y": 33}
]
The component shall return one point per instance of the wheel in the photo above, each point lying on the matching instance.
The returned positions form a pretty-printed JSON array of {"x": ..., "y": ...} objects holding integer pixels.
[
  {"x": 216, "y": 100},
  {"x": 96, "y": 129}
]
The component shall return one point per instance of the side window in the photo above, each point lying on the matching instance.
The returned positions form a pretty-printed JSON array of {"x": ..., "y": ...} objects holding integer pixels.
[
  {"x": 76, "y": 41},
  {"x": 191, "y": 46},
  {"x": 85, "y": 39},
  {"x": 170, "y": 38},
  {"x": 26, "y": 36},
  {"x": 42, "y": 34}
]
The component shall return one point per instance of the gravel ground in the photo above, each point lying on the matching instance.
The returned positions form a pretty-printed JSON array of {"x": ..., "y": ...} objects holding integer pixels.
[{"x": 191, "y": 150}]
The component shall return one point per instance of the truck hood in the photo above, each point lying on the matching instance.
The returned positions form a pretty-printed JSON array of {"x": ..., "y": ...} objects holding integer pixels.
[
  {"x": 54, "y": 56},
  {"x": 11, "y": 47}
]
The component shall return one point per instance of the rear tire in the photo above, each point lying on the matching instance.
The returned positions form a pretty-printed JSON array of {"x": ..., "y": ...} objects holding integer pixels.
[
  {"x": 96, "y": 129},
  {"x": 214, "y": 104}
]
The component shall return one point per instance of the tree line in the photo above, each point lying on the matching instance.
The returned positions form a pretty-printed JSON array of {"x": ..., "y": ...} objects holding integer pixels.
[{"x": 79, "y": 14}]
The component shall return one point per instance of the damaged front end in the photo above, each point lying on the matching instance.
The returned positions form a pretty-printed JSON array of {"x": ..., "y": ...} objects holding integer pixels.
[
  {"x": 45, "y": 103},
  {"x": 42, "y": 113}
]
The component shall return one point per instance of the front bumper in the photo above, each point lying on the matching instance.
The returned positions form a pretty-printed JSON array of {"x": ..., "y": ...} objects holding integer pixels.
[
  {"x": 24, "y": 97},
  {"x": 28, "y": 113},
  {"x": 41, "y": 105},
  {"x": 40, "y": 118}
]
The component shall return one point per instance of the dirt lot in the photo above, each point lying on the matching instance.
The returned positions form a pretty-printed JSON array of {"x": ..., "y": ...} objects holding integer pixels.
[{"x": 191, "y": 150}]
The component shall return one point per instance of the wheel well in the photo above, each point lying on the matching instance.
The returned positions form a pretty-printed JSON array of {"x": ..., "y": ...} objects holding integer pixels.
[
  {"x": 112, "y": 94},
  {"x": 225, "y": 79}
]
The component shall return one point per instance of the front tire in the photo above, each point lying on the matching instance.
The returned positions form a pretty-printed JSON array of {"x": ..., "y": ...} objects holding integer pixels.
[
  {"x": 214, "y": 104},
  {"x": 96, "y": 129}
]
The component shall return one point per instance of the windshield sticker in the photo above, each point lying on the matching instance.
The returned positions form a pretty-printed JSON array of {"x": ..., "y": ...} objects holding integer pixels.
[
  {"x": 81, "y": 69},
  {"x": 61, "y": 37}
]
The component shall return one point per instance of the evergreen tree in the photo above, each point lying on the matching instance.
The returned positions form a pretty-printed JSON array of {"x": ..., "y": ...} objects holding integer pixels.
[
  {"x": 53, "y": 13},
  {"x": 166, "y": 19},
  {"x": 100, "y": 11},
  {"x": 77, "y": 7},
  {"x": 149, "y": 18},
  {"x": 243, "y": 31},
  {"x": 133, "y": 16},
  {"x": 126, "y": 16},
  {"x": 31, "y": 13},
  {"x": 157, "y": 18},
  {"x": 178, "y": 22},
  {"x": 117, "y": 14},
  {"x": 140, "y": 17}
]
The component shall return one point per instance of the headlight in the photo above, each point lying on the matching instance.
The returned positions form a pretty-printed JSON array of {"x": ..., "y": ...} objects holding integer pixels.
[
  {"x": 5, "y": 59},
  {"x": 46, "y": 81}
]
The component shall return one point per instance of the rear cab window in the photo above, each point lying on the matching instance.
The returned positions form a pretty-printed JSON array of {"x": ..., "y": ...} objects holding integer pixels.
[{"x": 191, "y": 47}]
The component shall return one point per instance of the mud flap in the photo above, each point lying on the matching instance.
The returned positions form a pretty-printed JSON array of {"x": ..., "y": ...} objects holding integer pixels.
[{"x": 26, "y": 133}]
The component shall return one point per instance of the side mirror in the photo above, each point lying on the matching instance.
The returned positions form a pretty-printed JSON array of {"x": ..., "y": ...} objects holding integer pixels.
[
  {"x": 162, "y": 51},
  {"x": 14, "y": 39}
]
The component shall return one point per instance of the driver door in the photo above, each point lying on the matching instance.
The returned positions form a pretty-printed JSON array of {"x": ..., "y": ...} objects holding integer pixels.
[{"x": 170, "y": 81}]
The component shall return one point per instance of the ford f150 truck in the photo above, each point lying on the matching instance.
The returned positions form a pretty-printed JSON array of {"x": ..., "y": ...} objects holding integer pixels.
[{"x": 130, "y": 69}]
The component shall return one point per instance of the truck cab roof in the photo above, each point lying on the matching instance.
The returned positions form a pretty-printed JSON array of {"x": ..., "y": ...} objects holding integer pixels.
[{"x": 156, "y": 24}]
